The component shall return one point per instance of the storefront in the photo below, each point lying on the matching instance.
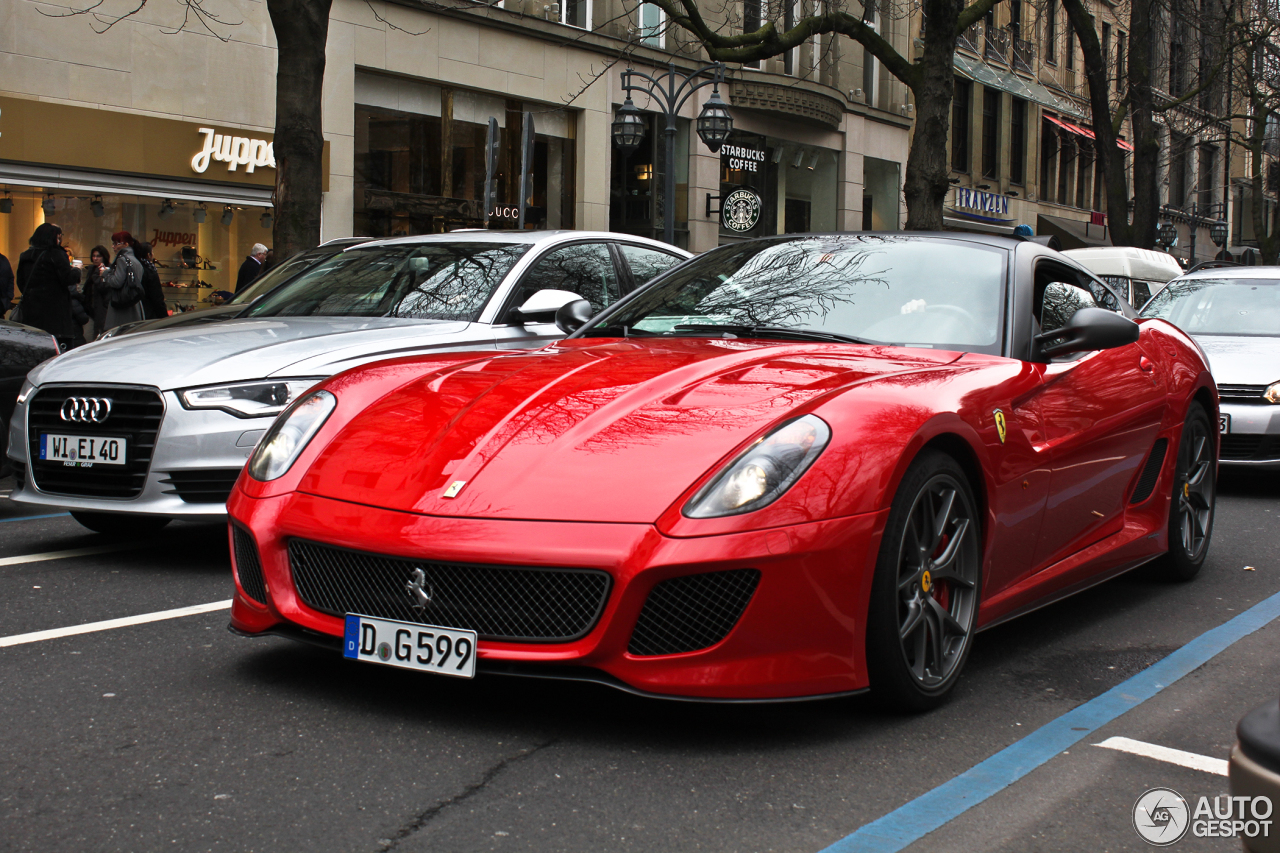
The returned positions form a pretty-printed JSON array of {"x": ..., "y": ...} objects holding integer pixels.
[{"x": 200, "y": 194}]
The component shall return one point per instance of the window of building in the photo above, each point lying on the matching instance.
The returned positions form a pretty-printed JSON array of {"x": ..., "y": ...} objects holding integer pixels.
[
  {"x": 751, "y": 21},
  {"x": 871, "y": 65},
  {"x": 1099, "y": 186},
  {"x": 1017, "y": 140},
  {"x": 990, "y": 133},
  {"x": 1084, "y": 174},
  {"x": 1069, "y": 48},
  {"x": 1179, "y": 166},
  {"x": 1106, "y": 53},
  {"x": 960, "y": 126},
  {"x": 653, "y": 25},
  {"x": 1122, "y": 62},
  {"x": 577, "y": 13},
  {"x": 819, "y": 8},
  {"x": 1208, "y": 174},
  {"x": 1066, "y": 157},
  {"x": 791, "y": 57},
  {"x": 1015, "y": 18},
  {"x": 1048, "y": 159},
  {"x": 1177, "y": 58},
  {"x": 1051, "y": 32}
]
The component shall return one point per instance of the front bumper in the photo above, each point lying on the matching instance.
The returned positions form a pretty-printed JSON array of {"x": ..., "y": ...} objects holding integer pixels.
[
  {"x": 199, "y": 447},
  {"x": 800, "y": 636},
  {"x": 1253, "y": 440}
]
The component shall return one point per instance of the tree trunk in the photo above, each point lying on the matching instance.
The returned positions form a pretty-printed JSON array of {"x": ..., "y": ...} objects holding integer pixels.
[
  {"x": 926, "y": 182},
  {"x": 301, "y": 28},
  {"x": 1146, "y": 142}
]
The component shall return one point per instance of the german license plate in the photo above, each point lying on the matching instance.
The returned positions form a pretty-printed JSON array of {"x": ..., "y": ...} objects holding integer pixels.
[
  {"x": 83, "y": 451},
  {"x": 445, "y": 651},
  {"x": 1224, "y": 424}
]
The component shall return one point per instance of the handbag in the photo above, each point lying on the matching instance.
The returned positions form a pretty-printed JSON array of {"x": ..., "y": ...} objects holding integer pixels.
[{"x": 128, "y": 294}]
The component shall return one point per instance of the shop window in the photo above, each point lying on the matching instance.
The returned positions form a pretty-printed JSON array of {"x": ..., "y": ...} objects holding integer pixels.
[
  {"x": 990, "y": 133},
  {"x": 882, "y": 185},
  {"x": 1066, "y": 156},
  {"x": 796, "y": 220},
  {"x": 1084, "y": 172},
  {"x": 960, "y": 126},
  {"x": 1017, "y": 140},
  {"x": 576, "y": 13},
  {"x": 1048, "y": 160},
  {"x": 582, "y": 268}
]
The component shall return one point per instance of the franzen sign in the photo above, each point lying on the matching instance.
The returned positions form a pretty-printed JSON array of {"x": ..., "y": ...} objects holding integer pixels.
[
  {"x": 982, "y": 202},
  {"x": 234, "y": 151}
]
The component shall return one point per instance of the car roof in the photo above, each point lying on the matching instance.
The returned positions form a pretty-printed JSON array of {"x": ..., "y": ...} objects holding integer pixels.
[
  {"x": 520, "y": 238},
  {"x": 1233, "y": 272},
  {"x": 1127, "y": 261}
]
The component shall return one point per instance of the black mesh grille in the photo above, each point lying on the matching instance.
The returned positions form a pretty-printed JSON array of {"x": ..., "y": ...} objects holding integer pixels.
[
  {"x": 249, "y": 565},
  {"x": 693, "y": 612},
  {"x": 1242, "y": 393},
  {"x": 1150, "y": 472},
  {"x": 497, "y": 602},
  {"x": 1246, "y": 448},
  {"x": 202, "y": 485},
  {"x": 135, "y": 416}
]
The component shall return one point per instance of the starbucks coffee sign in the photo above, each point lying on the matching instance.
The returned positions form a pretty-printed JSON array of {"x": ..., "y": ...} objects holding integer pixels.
[{"x": 740, "y": 210}]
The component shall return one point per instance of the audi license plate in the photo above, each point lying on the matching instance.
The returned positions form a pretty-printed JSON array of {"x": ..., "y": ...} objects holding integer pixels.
[
  {"x": 82, "y": 451},
  {"x": 446, "y": 651},
  {"x": 1224, "y": 424}
]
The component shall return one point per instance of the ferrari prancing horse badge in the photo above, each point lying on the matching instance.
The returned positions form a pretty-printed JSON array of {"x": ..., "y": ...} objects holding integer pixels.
[{"x": 1000, "y": 424}]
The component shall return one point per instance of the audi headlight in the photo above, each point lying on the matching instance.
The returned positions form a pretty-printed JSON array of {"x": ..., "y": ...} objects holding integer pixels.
[
  {"x": 248, "y": 399},
  {"x": 1272, "y": 394},
  {"x": 289, "y": 435},
  {"x": 764, "y": 471}
]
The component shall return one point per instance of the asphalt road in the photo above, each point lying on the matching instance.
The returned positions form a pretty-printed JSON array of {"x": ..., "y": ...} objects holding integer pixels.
[{"x": 176, "y": 735}]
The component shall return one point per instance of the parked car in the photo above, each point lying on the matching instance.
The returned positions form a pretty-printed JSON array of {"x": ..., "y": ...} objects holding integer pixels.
[
  {"x": 791, "y": 467},
  {"x": 21, "y": 349},
  {"x": 1234, "y": 315},
  {"x": 1254, "y": 767},
  {"x": 1135, "y": 273},
  {"x": 281, "y": 273},
  {"x": 176, "y": 412}
]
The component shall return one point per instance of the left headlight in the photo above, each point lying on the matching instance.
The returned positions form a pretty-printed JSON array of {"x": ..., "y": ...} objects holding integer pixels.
[
  {"x": 1272, "y": 394},
  {"x": 288, "y": 436},
  {"x": 248, "y": 399},
  {"x": 764, "y": 471}
]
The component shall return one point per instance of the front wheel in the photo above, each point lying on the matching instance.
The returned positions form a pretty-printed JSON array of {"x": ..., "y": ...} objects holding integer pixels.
[
  {"x": 113, "y": 524},
  {"x": 924, "y": 597},
  {"x": 1195, "y": 490}
]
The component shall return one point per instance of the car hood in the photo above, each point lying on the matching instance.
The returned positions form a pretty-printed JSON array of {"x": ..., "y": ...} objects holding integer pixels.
[
  {"x": 253, "y": 349},
  {"x": 217, "y": 314},
  {"x": 1242, "y": 359},
  {"x": 583, "y": 430}
]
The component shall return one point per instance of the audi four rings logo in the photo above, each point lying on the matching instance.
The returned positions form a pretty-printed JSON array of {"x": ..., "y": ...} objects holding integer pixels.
[{"x": 86, "y": 410}]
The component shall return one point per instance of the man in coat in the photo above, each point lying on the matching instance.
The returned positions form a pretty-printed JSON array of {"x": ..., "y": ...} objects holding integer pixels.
[
  {"x": 43, "y": 277},
  {"x": 6, "y": 285},
  {"x": 252, "y": 266}
]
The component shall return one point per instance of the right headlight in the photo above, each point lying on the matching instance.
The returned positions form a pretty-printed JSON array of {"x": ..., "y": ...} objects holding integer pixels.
[
  {"x": 1272, "y": 394},
  {"x": 764, "y": 471},
  {"x": 290, "y": 433}
]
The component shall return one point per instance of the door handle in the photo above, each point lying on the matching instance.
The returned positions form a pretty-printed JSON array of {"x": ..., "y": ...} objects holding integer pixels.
[{"x": 1146, "y": 365}]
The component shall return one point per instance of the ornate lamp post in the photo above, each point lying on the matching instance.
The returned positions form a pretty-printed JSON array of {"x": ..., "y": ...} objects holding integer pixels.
[
  {"x": 1167, "y": 235},
  {"x": 670, "y": 91}
]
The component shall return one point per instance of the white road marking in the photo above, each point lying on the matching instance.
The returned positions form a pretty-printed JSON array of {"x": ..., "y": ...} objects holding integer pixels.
[
  {"x": 73, "y": 552},
  {"x": 107, "y": 625},
  {"x": 1169, "y": 756}
]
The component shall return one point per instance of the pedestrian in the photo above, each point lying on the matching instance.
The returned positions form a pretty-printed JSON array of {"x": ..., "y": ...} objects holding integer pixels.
[
  {"x": 123, "y": 283},
  {"x": 96, "y": 297},
  {"x": 269, "y": 261},
  {"x": 152, "y": 291},
  {"x": 44, "y": 275},
  {"x": 6, "y": 285},
  {"x": 252, "y": 266}
]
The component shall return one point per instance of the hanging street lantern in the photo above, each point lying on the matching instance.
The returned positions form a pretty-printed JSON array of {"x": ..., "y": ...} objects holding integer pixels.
[
  {"x": 628, "y": 127},
  {"x": 714, "y": 122},
  {"x": 1218, "y": 232},
  {"x": 1167, "y": 234}
]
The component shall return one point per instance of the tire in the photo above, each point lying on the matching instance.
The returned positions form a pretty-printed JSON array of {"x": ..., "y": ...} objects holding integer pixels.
[
  {"x": 924, "y": 596},
  {"x": 1195, "y": 491},
  {"x": 119, "y": 525}
]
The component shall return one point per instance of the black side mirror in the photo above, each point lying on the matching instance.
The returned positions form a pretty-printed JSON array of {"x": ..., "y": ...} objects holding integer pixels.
[
  {"x": 1089, "y": 329},
  {"x": 572, "y": 316}
]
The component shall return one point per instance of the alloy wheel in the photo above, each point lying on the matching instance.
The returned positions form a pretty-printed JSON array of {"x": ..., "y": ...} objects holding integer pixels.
[{"x": 1196, "y": 489}]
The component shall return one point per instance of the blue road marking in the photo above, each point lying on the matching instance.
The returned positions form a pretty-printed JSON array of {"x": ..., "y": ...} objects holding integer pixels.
[
  {"x": 935, "y": 809},
  {"x": 34, "y": 517}
]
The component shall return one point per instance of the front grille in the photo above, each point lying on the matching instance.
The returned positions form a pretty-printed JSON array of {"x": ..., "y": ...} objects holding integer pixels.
[
  {"x": 1150, "y": 472},
  {"x": 1242, "y": 393},
  {"x": 249, "y": 565},
  {"x": 692, "y": 612},
  {"x": 135, "y": 416},
  {"x": 202, "y": 485},
  {"x": 1250, "y": 448},
  {"x": 497, "y": 602}
]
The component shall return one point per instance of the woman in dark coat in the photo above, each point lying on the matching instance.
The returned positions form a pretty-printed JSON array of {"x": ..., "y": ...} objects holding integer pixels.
[
  {"x": 44, "y": 274},
  {"x": 152, "y": 291},
  {"x": 96, "y": 298}
]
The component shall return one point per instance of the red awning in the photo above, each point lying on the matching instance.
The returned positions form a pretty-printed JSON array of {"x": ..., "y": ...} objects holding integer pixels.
[
  {"x": 1083, "y": 131},
  {"x": 1126, "y": 146}
]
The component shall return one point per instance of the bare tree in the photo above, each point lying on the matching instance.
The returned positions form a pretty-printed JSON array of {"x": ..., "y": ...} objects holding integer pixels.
[
  {"x": 930, "y": 76},
  {"x": 1256, "y": 120}
]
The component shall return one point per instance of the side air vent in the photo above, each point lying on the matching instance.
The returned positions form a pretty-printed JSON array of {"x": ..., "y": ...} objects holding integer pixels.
[
  {"x": 1150, "y": 472},
  {"x": 249, "y": 565},
  {"x": 692, "y": 612}
]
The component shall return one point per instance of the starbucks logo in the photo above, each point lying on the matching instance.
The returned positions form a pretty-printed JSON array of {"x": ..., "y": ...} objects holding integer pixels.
[{"x": 740, "y": 211}]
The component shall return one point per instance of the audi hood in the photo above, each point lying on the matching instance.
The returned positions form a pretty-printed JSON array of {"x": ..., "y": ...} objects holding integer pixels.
[
  {"x": 582, "y": 430},
  {"x": 246, "y": 349}
]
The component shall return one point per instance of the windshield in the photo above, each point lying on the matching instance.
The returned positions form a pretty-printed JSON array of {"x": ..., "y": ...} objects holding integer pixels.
[
  {"x": 433, "y": 281},
  {"x": 1220, "y": 306},
  {"x": 912, "y": 291},
  {"x": 277, "y": 275}
]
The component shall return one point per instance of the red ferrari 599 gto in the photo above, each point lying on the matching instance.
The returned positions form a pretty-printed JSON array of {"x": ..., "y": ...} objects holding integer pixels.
[{"x": 788, "y": 468}]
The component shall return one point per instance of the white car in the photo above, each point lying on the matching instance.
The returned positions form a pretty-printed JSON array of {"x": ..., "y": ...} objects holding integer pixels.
[
  {"x": 133, "y": 431},
  {"x": 1136, "y": 273}
]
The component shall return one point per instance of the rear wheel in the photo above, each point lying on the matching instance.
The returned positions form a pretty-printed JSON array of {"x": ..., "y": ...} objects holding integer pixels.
[
  {"x": 113, "y": 524},
  {"x": 924, "y": 598},
  {"x": 1195, "y": 490}
]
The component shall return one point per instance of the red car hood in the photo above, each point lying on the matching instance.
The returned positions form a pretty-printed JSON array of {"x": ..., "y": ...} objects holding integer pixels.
[{"x": 586, "y": 430}]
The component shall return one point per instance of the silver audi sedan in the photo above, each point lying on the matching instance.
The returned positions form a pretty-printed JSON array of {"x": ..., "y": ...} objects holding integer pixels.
[
  {"x": 133, "y": 431},
  {"x": 1234, "y": 314}
]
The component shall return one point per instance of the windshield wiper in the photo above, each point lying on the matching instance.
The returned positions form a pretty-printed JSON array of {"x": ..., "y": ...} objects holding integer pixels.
[{"x": 771, "y": 332}]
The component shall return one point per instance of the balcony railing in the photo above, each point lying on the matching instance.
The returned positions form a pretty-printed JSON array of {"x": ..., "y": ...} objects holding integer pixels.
[
  {"x": 969, "y": 38},
  {"x": 1024, "y": 56},
  {"x": 997, "y": 44}
]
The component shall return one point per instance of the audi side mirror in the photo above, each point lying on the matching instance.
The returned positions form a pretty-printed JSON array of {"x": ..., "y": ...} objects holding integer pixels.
[
  {"x": 543, "y": 305},
  {"x": 1088, "y": 330},
  {"x": 573, "y": 316}
]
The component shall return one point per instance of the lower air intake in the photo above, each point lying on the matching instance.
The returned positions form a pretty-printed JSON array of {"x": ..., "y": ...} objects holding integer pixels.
[
  {"x": 692, "y": 612},
  {"x": 249, "y": 565}
]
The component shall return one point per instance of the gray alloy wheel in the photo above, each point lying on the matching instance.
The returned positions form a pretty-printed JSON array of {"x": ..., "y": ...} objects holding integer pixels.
[
  {"x": 924, "y": 599},
  {"x": 1195, "y": 490}
]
